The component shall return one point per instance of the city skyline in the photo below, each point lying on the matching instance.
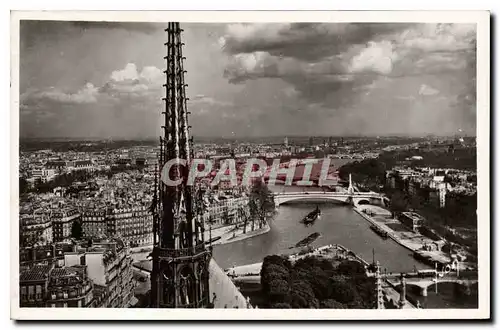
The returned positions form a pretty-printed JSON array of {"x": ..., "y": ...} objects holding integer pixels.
[{"x": 103, "y": 80}]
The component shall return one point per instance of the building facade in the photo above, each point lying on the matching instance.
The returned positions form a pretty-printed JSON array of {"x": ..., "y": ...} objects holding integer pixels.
[
  {"x": 109, "y": 266},
  {"x": 69, "y": 287},
  {"x": 94, "y": 223},
  {"x": 412, "y": 220},
  {"x": 133, "y": 224},
  {"x": 226, "y": 211},
  {"x": 43, "y": 174},
  {"x": 33, "y": 284},
  {"x": 35, "y": 228},
  {"x": 62, "y": 222}
]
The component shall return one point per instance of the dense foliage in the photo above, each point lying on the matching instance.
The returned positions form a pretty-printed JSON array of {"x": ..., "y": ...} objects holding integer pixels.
[
  {"x": 261, "y": 203},
  {"x": 315, "y": 283},
  {"x": 369, "y": 173}
]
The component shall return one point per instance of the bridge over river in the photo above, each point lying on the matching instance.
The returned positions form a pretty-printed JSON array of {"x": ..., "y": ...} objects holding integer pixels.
[
  {"x": 423, "y": 282},
  {"x": 329, "y": 196}
]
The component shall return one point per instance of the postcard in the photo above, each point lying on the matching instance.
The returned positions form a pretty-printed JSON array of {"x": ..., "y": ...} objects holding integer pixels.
[{"x": 250, "y": 165}]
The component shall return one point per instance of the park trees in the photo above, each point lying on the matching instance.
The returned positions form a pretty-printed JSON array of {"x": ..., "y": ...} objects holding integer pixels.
[{"x": 315, "y": 282}]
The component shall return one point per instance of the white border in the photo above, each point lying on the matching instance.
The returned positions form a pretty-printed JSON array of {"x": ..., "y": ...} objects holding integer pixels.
[{"x": 481, "y": 18}]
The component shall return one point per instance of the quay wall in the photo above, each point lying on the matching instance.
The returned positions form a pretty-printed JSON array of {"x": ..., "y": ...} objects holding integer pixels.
[{"x": 391, "y": 235}]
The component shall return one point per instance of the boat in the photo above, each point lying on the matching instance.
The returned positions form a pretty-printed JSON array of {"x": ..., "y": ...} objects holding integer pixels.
[
  {"x": 382, "y": 233},
  {"x": 306, "y": 241},
  {"x": 312, "y": 216}
]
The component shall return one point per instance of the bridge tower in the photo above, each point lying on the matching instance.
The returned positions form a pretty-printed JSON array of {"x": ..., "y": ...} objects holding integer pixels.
[
  {"x": 350, "y": 189},
  {"x": 180, "y": 275}
]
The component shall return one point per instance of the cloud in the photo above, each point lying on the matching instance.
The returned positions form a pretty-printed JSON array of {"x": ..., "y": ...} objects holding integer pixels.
[
  {"x": 86, "y": 95},
  {"x": 202, "y": 100},
  {"x": 305, "y": 41},
  {"x": 376, "y": 57},
  {"x": 122, "y": 83},
  {"x": 300, "y": 78},
  {"x": 144, "y": 27},
  {"x": 130, "y": 81},
  {"x": 360, "y": 66},
  {"x": 427, "y": 90},
  {"x": 440, "y": 37}
]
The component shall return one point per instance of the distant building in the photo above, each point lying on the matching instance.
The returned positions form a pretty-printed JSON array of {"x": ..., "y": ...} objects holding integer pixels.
[
  {"x": 35, "y": 228},
  {"x": 81, "y": 165},
  {"x": 69, "y": 287},
  {"x": 56, "y": 165},
  {"x": 411, "y": 220},
  {"x": 109, "y": 265},
  {"x": 33, "y": 286},
  {"x": 140, "y": 161},
  {"x": 62, "y": 222},
  {"x": 51, "y": 253},
  {"x": 94, "y": 223},
  {"x": 222, "y": 211},
  {"x": 133, "y": 224},
  {"x": 43, "y": 174}
]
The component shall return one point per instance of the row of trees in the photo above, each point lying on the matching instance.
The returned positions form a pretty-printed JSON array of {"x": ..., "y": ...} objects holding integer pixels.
[
  {"x": 315, "y": 282},
  {"x": 369, "y": 173}
]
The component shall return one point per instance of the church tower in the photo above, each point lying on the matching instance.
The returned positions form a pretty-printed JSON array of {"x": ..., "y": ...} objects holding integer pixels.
[{"x": 180, "y": 276}]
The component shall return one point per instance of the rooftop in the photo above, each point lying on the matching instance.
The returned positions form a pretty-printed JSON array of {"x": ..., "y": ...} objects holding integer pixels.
[{"x": 36, "y": 273}]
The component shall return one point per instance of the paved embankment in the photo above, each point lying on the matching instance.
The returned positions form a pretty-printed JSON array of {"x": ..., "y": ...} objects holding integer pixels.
[{"x": 229, "y": 235}]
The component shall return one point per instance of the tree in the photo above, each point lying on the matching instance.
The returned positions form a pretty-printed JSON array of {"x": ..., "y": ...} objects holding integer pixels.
[
  {"x": 261, "y": 202},
  {"x": 351, "y": 268},
  {"x": 76, "y": 230},
  {"x": 281, "y": 305},
  {"x": 211, "y": 220},
  {"x": 342, "y": 291},
  {"x": 226, "y": 219},
  {"x": 243, "y": 215},
  {"x": 254, "y": 211},
  {"x": 331, "y": 303},
  {"x": 315, "y": 282}
]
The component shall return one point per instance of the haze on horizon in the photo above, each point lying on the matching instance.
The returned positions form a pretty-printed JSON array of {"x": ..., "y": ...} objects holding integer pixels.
[{"x": 94, "y": 79}]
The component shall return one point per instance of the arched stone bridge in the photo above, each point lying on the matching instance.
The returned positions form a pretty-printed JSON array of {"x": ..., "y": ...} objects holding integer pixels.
[
  {"x": 424, "y": 283},
  {"x": 322, "y": 197}
]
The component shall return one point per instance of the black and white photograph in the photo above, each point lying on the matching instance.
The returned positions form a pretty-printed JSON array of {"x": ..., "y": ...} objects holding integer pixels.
[{"x": 264, "y": 163}]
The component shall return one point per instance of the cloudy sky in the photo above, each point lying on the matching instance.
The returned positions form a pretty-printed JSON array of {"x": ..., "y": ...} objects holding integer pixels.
[{"x": 80, "y": 79}]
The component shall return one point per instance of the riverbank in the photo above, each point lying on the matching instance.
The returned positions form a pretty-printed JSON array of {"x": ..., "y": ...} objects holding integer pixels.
[
  {"x": 328, "y": 251},
  {"x": 412, "y": 241},
  {"x": 229, "y": 234}
]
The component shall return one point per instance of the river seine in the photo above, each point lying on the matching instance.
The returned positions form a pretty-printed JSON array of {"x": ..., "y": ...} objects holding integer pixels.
[{"x": 338, "y": 224}]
